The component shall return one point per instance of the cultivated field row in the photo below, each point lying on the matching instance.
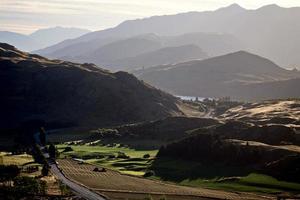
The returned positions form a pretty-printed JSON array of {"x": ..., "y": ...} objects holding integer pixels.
[{"x": 112, "y": 184}]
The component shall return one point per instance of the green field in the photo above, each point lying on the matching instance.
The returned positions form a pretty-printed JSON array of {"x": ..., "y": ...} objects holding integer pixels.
[
  {"x": 258, "y": 183},
  {"x": 101, "y": 155},
  {"x": 181, "y": 172}
]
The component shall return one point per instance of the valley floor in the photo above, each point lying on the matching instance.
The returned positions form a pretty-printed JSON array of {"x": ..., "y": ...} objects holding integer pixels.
[{"x": 116, "y": 185}]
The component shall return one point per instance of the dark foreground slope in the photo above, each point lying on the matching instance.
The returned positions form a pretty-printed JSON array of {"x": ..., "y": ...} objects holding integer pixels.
[
  {"x": 240, "y": 75},
  {"x": 65, "y": 93}
]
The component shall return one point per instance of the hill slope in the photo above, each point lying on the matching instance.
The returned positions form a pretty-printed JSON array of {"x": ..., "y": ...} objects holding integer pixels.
[
  {"x": 238, "y": 75},
  {"x": 65, "y": 93},
  {"x": 285, "y": 112}
]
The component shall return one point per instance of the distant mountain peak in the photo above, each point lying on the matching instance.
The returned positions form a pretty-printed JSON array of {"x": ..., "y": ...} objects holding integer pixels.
[
  {"x": 270, "y": 6},
  {"x": 232, "y": 8},
  {"x": 237, "y": 53}
]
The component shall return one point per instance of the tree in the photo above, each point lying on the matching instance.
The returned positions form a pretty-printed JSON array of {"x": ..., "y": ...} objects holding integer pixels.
[
  {"x": 8, "y": 172},
  {"x": 45, "y": 169},
  {"x": 146, "y": 156},
  {"x": 52, "y": 151},
  {"x": 42, "y": 136},
  {"x": 26, "y": 186},
  {"x": 43, "y": 187},
  {"x": 63, "y": 188},
  {"x": 38, "y": 155}
]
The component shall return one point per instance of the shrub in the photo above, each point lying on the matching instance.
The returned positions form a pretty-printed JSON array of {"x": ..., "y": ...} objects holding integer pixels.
[
  {"x": 45, "y": 170},
  {"x": 8, "y": 172},
  {"x": 96, "y": 169},
  {"x": 63, "y": 188},
  {"x": 149, "y": 173},
  {"x": 52, "y": 151},
  {"x": 122, "y": 155},
  {"x": 27, "y": 186},
  {"x": 111, "y": 156},
  {"x": 146, "y": 156},
  {"x": 68, "y": 149},
  {"x": 38, "y": 155}
]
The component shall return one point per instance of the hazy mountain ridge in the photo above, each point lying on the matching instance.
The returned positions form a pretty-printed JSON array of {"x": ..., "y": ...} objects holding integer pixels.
[
  {"x": 166, "y": 55},
  {"x": 270, "y": 31},
  {"x": 40, "y": 38},
  {"x": 62, "y": 92},
  {"x": 49, "y": 36},
  {"x": 240, "y": 75},
  {"x": 17, "y": 39},
  {"x": 139, "y": 51}
]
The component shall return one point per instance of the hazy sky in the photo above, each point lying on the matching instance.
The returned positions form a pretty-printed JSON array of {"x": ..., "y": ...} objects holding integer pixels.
[{"x": 25, "y": 16}]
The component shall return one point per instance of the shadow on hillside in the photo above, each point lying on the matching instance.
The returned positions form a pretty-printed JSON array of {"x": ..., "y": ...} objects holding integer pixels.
[{"x": 169, "y": 169}]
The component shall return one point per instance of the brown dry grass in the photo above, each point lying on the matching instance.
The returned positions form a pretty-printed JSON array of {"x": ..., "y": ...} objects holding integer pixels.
[
  {"x": 293, "y": 148},
  {"x": 115, "y": 185},
  {"x": 265, "y": 110},
  {"x": 190, "y": 110}
]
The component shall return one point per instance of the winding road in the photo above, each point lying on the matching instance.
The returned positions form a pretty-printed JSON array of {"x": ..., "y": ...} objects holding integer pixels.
[{"x": 78, "y": 189}]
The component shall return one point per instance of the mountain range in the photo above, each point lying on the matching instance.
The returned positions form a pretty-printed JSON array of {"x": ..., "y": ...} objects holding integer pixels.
[
  {"x": 270, "y": 31},
  {"x": 64, "y": 94},
  {"x": 40, "y": 38},
  {"x": 141, "y": 51},
  {"x": 240, "y": 75}
]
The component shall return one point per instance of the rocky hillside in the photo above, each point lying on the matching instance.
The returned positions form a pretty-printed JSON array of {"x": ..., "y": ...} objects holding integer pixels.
[{"x": 69, "y": 94}]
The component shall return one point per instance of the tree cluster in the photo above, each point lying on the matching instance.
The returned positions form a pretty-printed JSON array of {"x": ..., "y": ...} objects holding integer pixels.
[
  {"x": 23, "y": 188},
  {"x": 210, "y": 149}
]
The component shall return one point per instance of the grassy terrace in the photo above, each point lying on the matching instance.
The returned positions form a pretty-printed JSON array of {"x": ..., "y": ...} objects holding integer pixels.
[
  {"x": 107, "y": 156},
  {"x": 178, "y": 171}
]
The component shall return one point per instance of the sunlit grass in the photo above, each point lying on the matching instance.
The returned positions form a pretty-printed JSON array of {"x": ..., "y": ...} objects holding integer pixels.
[
  {"x": 258, "y": 183},
  {"x": 134, "y": 165},
  {"x": 9, "y": 159}
]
